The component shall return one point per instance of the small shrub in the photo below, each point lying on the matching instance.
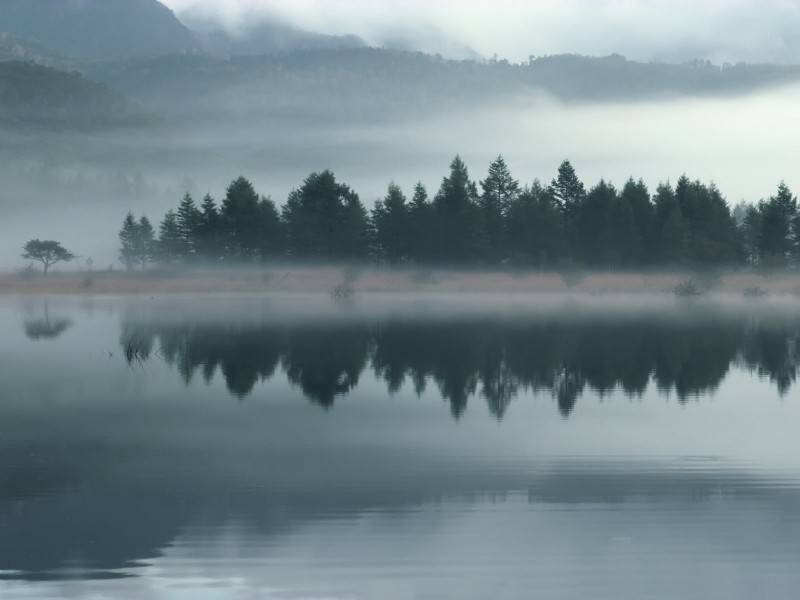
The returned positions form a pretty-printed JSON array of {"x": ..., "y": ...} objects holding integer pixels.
[
  {"x": 572, "y": 277},
  {"x": 755, "y": 292},
  {"x": 423, "y": 277},
  {"x": 687, "y": 289}
]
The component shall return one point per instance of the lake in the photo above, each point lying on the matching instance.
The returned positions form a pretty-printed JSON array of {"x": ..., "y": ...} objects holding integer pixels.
[{"x": 399, "y": 447}]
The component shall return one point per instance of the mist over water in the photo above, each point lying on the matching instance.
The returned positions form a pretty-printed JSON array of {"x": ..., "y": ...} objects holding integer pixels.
[
  {"x": 176, "y": 482},
  {"x": 399, "y": 300},
  {"x": 74, "y": 186}
]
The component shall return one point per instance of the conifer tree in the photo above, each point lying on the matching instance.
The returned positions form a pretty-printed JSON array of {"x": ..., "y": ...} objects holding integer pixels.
[
  {"x": 456, "y": 213},
  {"x": 500, "y": 190},
  {"x": 567, "y": 189},
  {"x": 324, "y": 219},
  {"x": 189, "y": 218},
  {"x": 536, "y": 228},
  {"x": 146, "y": 246},
  {"x": 209, "y": 240},
  {"x": 778, "y": 228},
  {"x": 242, "y": 215},
  {"x": 636, "y": 195},
  {"x": 392, "y": 223},
  {"x": 170, "y": 242},
  {"x": 421, "y": 225},
  {"x": 128, "y": 242}
]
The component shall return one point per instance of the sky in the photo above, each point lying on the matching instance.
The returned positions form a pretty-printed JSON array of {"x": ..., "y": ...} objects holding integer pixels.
[{"x": 671, "y": 30}]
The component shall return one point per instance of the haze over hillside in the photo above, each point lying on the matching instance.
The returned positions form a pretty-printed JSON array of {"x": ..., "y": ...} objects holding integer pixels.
[
  {"x": 162, "y": 107},
  {"x": 97, "y": 29}
]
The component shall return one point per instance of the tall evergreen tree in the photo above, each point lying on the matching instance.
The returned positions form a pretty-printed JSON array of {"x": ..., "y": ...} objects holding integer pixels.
[
  {"x": 270, "y": 230},
  {"x": 596, "y": 242},
  {"x": 324, "y": 219},
  {"x": 569, "y": 193},
  {"x": 778, "y": 228},
  {"x": 421, "y": 225},
  {"x": 128, "y": 242},
  {"x": 751, "y": 226},
  {"x": 210, "y": 236},
  {"x": 392, "y": 223},
  {"x": 669, "y": 227},
  {"x": 567, "y": 189},
  {"x": 637, "y": 196},
  {"x": 536, "y": 227},
  {"x": 242, "y": 214},
  {"x": 625, "y": 238},
  {"x": 456, "y": 214},
  {"x": 170, "y": 243},
  {"x": 709, "y": 226},
  {"x": 500, "y": 190},
  {"x": 146, "y": 246},
  {"x": 189, "y": 219}
]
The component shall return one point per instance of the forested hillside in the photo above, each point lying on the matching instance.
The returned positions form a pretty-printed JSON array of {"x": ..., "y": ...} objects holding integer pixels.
[
  {"x": 377, "y": 83},
  {"x": 97, "y": 29},
  {"x": 43, "y": 97}
]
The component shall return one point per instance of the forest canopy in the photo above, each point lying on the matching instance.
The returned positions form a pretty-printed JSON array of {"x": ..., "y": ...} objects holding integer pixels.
[{"x": 489, "y": 222}]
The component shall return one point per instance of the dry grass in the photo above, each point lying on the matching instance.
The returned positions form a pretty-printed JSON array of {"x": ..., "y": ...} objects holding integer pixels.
[{"x": 327, "y": 279}]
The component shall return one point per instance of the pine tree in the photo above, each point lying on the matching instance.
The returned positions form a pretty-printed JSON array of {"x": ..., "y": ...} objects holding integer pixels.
[
  {"x": 241, "y": 217},
  {"x": 170, "y": 242},
  {"x": 669, "y": 227},
  {"x": 128, "y": 238},
  {"x": 421, "y": 225},
  {"x": 567, "y": 189},
  {"x": 637, "y": 196},
  {"x": 569, "y": 193},
  {"x": 778, "y": 228},
  {"x": 456, "y": 213},
  {"x": 145, "y": 242},
  {"x": 209, "y": 242},
  {"x": 500, "y": 190},
  {"x": 324, "y": 219},
  {"x": 392, "y": 224},
  {"x": 751, "y": 227},
  {"x": 536, "y": 227},
  {"x": 271, "y": 242},
  {"x": 594, "y": 227},
  {"x": 189, "y": 219}
]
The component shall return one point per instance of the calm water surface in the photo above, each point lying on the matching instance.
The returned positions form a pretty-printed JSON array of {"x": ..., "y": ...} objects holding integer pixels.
[{"x": 398, "y": 448}]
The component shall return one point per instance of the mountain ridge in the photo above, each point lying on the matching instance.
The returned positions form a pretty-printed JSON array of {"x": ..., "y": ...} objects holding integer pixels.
[{"x": 98, "y": 29}]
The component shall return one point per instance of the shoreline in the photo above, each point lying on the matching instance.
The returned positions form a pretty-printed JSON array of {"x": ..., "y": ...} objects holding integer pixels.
[{"x": 327, "y": 280}]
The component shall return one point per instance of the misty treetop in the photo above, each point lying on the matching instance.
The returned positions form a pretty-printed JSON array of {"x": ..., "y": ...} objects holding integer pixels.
[{"x": 491, "y": 222}]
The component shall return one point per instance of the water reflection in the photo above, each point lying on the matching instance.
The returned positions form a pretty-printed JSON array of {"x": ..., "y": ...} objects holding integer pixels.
[
  {"x": 45, "y": 326},
  {"x": 119, "y": 481},
  {"x": 495, "y": 359}
]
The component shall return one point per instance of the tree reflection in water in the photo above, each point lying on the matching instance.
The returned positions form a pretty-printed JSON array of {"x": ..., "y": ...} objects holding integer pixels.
[{"x": 495, "y": 359}]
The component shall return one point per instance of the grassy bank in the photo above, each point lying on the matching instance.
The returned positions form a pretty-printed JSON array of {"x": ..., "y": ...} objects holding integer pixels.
[{"x": 364, "y": 280}]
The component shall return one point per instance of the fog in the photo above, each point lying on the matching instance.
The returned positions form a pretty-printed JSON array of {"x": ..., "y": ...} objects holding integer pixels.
[
  {"x": 672, "y": 30},
  {"x": 78, "y": 187}
]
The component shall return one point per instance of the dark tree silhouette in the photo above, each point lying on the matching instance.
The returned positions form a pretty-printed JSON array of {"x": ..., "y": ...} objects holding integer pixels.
[
  {"x": 324, "y": 219},
  {"x": 456, "y": 214},
  {"x": 392, "y": 222},
  {"x": 47, "y": 252},
  {"x": 500, "y": 191},
  {"x": 561, "y": 227}
]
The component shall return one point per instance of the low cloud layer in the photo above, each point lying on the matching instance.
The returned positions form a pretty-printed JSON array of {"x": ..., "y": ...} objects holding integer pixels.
[{"x": 672, "y": 30}]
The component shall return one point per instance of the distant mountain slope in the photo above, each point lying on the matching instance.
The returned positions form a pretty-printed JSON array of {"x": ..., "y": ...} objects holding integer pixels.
[
  {"x": 369, "y": 83},
  {"x": 262, "y": 37},
  {"x": 97, "y": 29},
  {"x": 35, "y": 96},
  {"x": 13, "y": 47}
]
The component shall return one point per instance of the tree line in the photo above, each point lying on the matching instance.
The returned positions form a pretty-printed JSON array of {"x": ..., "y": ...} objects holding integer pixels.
[{"x": 495, "y": 221}]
